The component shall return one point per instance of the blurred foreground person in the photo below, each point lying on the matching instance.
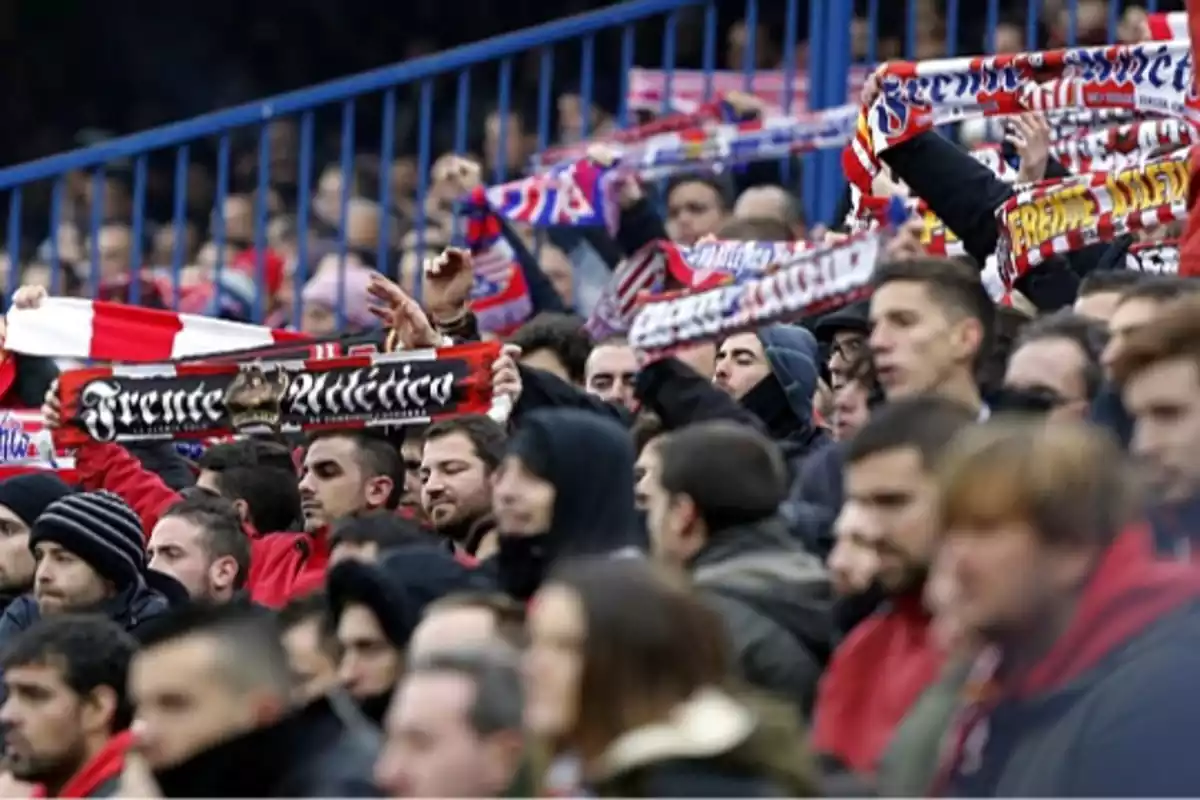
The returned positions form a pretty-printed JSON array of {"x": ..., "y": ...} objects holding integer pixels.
[
  {"x": 888, "y": 659},
  {"x": 22, "y": 500},
  {"x": 628, "y": 683},
  {"x": 713, "y": 492},
  {"x": 311, "y": 645},
  {"x": 66, "y": 713},
  {"x": 1086, "y": 685},
  {"x": 215, "y": 715},
  {"x": 454, "y": 728}
]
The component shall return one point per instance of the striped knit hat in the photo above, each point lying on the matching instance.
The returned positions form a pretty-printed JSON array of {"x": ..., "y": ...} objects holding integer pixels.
[{"x": 101, "y": 529}]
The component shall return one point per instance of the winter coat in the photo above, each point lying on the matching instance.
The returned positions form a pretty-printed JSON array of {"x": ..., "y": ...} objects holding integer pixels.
[
  {"x": 321, "y": 750},
  {"x": 129, "y": 609},
  {"x": 776, "y": 601},
  {"x": 713, "y": 745}
]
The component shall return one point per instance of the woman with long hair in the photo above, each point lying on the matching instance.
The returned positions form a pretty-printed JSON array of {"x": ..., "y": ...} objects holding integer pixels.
[{"x": 630, "y": 688}]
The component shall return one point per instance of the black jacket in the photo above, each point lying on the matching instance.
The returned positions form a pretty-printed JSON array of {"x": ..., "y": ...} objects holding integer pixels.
[
  {"x": 129, "y": 609},
  {"x": 322, "y": 750},
  {"x": 776, "y": 601}
]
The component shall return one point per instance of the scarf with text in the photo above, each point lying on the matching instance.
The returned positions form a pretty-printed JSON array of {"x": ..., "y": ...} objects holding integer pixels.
[
  {"x": 499, "y": 295},
  {"x": 199, "y": 401},
  {"x": 812, "y": 282},
  {"x": 664, "y": 264},
  {"x": 1154, "y": 258},
  {"x": 1056, "y": 217},
  {"x": 916, "y": 97}
]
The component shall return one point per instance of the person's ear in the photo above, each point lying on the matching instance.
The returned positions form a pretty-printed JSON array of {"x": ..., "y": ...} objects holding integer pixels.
[
  {"x": 223, "y": 572},
  {"x": 378, "y": 490},
  {"x": 243, "y": 510}
]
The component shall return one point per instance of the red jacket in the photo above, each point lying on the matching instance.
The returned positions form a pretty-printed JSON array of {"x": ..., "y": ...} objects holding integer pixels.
[
  {"x": 874, "y": 678},
  {"x": 104, "y": 767},
  {"x": 282, "y": 565},
  {"x": 1189, "y": 249}
]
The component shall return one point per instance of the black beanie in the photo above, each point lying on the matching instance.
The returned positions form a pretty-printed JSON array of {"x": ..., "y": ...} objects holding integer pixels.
[
  {"x": 101, "y": 529},
  {"x": 27, "y": 496}
]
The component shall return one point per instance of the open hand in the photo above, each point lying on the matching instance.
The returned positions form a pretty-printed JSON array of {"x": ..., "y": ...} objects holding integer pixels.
[
  {"x": 1030, "y": 134},
  {"x": 402, "y": 314},
  {"x": 447, "y": 284}
]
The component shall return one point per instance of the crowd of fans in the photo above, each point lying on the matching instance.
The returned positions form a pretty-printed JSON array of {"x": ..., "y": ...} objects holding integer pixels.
[{"x": 922, "y": 545}]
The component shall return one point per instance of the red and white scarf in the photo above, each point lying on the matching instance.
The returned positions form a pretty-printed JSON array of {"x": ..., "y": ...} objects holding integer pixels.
[
  {"x": 94, "y": 329},
  {"x": 1056, "y": 217}
]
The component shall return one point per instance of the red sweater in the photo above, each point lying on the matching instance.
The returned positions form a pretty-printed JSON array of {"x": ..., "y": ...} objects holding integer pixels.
[
  {"x": 1189, "y": 251},
  {"x": 282, "y": 565}
]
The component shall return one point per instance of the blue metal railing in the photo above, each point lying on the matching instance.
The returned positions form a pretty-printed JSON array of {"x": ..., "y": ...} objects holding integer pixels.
[{"x": 445, "y": 91}]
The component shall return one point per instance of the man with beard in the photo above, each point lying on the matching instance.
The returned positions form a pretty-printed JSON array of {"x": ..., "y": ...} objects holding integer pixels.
[
  {"x": 22, "y": 501},
  {"x": 89, "y": 556},
  {"x": 200, "y": 543},
  {"x": 889, "y": 659},
  {"x": 457, "y": 462},
  {"x": 66, "y": 707}
]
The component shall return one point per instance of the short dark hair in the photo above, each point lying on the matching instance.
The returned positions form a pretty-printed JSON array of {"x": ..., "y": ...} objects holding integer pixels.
[
  {"x": 378, "y": 527},
  {"x": 376, "y": 455},
  {"x": 261, "y": 474},
  {"x": 1089, "y": 335},
  {"x": 223, "y": 534},
  {"x": 647, "y": 427},
  {"x": 954, "y": 286},
  {"x": 721, "y": 185},
  {"x": 733, "y": 474},
  {"x": 755, "y": 229},
  {"x": 1109, "y": 280},
  {"x": 989, "y": 373},
  {"x": 90, "y": 651},
  {"x": 315, "y": 608},
  {"x": 1159, "y": 289},
  {"x": 486, "y": 435},
  {"x": 1174, "y": 334},
  {"x": 927, "y": 424},
  {"x": 249, "y": 646},
  {"x": 561, "y": 334},
  {"x": 496, "y": 675}
]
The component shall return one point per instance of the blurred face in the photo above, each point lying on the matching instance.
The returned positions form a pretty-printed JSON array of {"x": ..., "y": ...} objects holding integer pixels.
[
  {"x": 431, "y": 748},
  {"x": 454, "y": 628},
  {"x": 1098, "y": 305},
  {"x": 113, "y": 246},
  {"x": 915, "y": 345},
  {"x": 186, "y": 702},
  {"x": 410, "y": 452},
  {"x": 47, "y": 726},
  {"x": 669, "y": 519},
  {"x": 554, "y": 663},
  {"x": 177, "y": 548},
  {"x": 370, "y": 665},
  {"x": 522, "y": 503},
  {"x": 64, "y": 582},
  {"x": 889, "y": 506},
  {"x": 762, "y": 202},
  {"x": 1055, "y": 367},
  {"x": 455, "y": 484},
  {"x": 1128, "y": 317},
  {"x": 1005, "y": 580},
  {"x": 850, "y": 410},
  {"x": 333, "y": 484},
  {"x": 16, "y": 562},
  {"x": 556, "y": 266},
  {"x": 239, "y": 221},
  {"x": 741, "y": 364},
  {"x": 1164, "y": 401},
  {"x": 318, "y": 319},
  {"x": 693, "y": 210},
  {"x": 610, "y": 373},
  {"x": 314, "y": 672},
  {"x": 848, "y": 347},
  {"x": 513, "y": 145}
]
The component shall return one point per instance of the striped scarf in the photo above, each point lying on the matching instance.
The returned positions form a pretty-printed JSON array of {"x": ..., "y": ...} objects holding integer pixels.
[{"x": 1057, "y": 217}]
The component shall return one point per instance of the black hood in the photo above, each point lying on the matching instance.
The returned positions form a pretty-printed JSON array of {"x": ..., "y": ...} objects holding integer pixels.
[{"x": 589, "y": 460}]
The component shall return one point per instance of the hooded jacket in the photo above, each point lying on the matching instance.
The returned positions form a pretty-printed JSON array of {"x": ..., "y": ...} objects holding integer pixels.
[
  {"x": 776, "y": 601},
  {"x": 785, "y": 404},
  {"x": 282, "y": 565},
  {"x": 589, "y": 460},
  {"x": 1110, "y": 710}
]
